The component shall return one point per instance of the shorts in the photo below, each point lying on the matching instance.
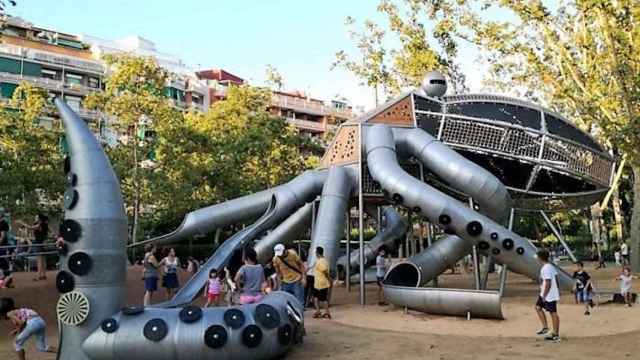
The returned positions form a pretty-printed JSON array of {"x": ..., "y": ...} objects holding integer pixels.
[
  {"x": 250, "y": 299},
  {"x": 379, "y": 280},
  {"x": 170, "y": 281},
  {"x": 35, "y": 327},
  {"x": 212, "y": 297},
  {"x": 321, "y": 294},
  {"x": 151, "y": 283},
  {"x": 583, "y": 296},
  {"x": 549, "y": 306}
]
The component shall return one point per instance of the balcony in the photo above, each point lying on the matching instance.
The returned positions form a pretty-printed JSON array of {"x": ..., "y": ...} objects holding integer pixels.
[
  {"x": 309, "y": 107},
  {"x": 28, "y": 51},
  {"x": 49, "y": 84},
  {"x": 307, "y": 125}
]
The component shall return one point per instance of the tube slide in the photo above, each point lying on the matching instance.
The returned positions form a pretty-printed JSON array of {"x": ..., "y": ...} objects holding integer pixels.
[
  {"x": 330, "y": 222},
  {"x": 257, "y": 331},
  {"x": 456, "y": 302},
  {"x": 506, "y": 247},
  {"x": 395, "y": 228},
  {"x": 284, "y": 233},
  {"x": 303, "y": 188}
]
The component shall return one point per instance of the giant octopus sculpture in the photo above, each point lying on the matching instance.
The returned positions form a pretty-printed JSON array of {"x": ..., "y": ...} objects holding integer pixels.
[{"x": 423, "y": 151}]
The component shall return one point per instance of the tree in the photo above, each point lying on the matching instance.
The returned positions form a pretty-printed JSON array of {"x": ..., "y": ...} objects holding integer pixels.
[
  {"x": 401, "y": 62},
  {"x": 134, "y": 95},
  {"x": 274, "y": 78},
  {"x": 581, "y": 58},
  {"x": 30, "y": 158}
]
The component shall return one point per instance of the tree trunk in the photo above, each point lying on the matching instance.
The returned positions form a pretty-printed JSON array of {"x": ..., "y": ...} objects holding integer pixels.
[
  {"x": 634, "y": 240},
  {"x": 617, "y": 215},
  {"x": 136, "y": 189}
]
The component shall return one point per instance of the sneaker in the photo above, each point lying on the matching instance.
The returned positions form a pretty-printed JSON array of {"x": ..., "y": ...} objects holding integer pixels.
[
  {"x": 552, "y": 337},
  {"x": 542, "y": 331}
]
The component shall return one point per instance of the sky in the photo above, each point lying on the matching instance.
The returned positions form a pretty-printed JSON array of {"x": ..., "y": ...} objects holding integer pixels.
[{"x": 298, "y": 37}]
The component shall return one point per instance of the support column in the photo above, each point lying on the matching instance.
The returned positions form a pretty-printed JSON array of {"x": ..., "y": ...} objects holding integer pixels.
[
  {"x": 348, "y": 267},
  {"x": 361, "y": 222},
  {"x": 559, "y": 236}
]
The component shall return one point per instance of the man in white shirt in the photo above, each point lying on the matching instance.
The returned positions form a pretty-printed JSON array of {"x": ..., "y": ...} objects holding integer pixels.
[
  {"x": 624, "y": 251},
  {"x": 548, "y": 298}
]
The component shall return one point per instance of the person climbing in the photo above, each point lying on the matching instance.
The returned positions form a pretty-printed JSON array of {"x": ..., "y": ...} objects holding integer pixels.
[
  {"x": 290, "y": 270},
  {"x": 27, "y": 323},
  {"x": 322, "y": 284},
  {"x": 548, "y": 298}
]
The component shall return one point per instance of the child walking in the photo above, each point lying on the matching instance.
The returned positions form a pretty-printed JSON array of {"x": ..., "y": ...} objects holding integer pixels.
[
  {"x": 583, "y": 287},
  {"x": 213, "y": 289},
  {"x": 27, "y": 323},
  {"x": 625, "y": 284}
]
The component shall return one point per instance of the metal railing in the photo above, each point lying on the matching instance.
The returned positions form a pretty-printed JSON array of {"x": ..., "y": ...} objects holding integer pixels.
[
  {"x": 527, "y": 144},
  {"x": 51, "y": 58},
  {"x": 49, "y": 84},
  {"x": 310, "y": 106},
  {"x": 306, "y": 124}
]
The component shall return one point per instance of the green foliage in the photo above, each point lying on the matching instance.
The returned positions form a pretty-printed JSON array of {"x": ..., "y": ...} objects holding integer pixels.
[
  {"x": 274, "y": 78},
  {"x": 30, "y": 162}
]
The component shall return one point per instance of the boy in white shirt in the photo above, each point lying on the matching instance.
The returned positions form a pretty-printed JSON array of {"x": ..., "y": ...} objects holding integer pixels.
[{"x": 548, "y": 298}]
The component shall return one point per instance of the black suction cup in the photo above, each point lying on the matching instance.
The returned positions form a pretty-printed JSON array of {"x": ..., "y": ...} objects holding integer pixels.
[
  {"x": 155, "y": 329},
  {"x": 234, "y": 318},
  {"x": 215, "y": 336}
]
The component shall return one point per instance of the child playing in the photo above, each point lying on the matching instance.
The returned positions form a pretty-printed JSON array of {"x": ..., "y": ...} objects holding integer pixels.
[
  {"x": 583, "y": 287},
  {"x": 625, "y": 284},
  {"x": 26, "y": 323},
  {"x": 213, "y": 289}
]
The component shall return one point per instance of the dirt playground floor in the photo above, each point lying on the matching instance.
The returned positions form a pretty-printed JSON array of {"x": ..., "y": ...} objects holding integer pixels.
[{"x": 385, "y": 332}]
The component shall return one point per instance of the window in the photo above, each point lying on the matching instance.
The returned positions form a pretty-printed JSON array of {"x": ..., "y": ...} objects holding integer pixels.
[
  {"x": 71, "y": 78},
  {"x": 74, "y": 102},
  {"x": 50, "y": 74},
  {"x": 196, "y": 99},
  {"x": 6, "y": 90},
  {"x": 93, "y": 82}
]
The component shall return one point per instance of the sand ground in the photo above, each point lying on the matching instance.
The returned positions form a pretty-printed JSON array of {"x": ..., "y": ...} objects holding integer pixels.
[{"x": 612, "y": 331}]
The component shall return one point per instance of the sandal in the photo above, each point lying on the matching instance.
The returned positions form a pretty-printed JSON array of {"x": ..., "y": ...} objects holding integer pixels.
[
  {"x": 326, "y": 316},
  {"x": 317, "y": 315}
]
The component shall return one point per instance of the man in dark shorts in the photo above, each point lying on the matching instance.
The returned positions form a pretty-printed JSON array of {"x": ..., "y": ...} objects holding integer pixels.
[
  {"x": 548, "y": 298},
  {"x": 321, "y": 284}
]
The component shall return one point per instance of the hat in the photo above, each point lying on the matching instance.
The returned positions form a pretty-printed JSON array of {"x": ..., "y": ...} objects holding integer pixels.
[{"x": 278, "y": 250}]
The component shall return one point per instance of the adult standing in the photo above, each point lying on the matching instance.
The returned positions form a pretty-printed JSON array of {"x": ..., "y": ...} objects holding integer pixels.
[
  {"x": 250, "y": 278},
  {"x": 150, "y": 274},
  {"x": 40, "y": 229},
  {"x": 4, "y": 243},
  {"x": 548, "y": 298},
  {"x": 322, "y": 284},
  {"x": 381, "y": 270},
  {"x": 624, "y": 251},
  {"x": 169, "y": 265},
  {"x": 291, "y": 271}
]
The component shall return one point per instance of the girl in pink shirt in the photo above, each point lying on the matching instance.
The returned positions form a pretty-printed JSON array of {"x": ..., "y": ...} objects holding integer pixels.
[{"x": 213, "y": 289}]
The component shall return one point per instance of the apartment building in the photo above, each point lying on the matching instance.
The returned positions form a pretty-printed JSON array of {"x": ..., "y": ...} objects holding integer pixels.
[
  {"x": 219, "y": 81},
  {"x": 60, "y": 63},
  {"x": 311, "y": 116},
  {"x": 184, "y": 88}
]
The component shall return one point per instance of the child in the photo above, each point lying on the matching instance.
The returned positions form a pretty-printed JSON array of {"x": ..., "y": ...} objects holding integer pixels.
[
  {"x": 321, "y": 285},
  {"x": 228, "y": 286},
  {"x": 213, "y": 289},
  {"x": 583, "y": 287},
  {"x": 26, "y": 323},
  {"x": 6, "y": 280},
  {"x": 625, "y": 284}
]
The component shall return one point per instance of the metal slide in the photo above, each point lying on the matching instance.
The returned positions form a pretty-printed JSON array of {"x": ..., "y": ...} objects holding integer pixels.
[
  {"x": 329, "y": 227},
  {"x": 303, "y": 188},
  {"x": 93, "y": 323},
  {"x": 395, "y": 227},
  {"x": 284, "y": 233},
  {"x": 456, "y": 218}
]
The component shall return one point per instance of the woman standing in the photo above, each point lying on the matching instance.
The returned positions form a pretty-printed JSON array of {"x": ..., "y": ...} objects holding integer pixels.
[
  {"x": 170, "y": 277},
  {"x": 150, "y": 274},
  {"x": 40, "y": 232}
]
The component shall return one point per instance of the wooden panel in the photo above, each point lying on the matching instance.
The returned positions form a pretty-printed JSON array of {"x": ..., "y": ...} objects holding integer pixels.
[
  {"x": 344, "y": 149},
  {"x": 401, "y": 114}
]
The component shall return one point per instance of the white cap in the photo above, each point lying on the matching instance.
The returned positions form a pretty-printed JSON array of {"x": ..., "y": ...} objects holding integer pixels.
[{"x": 278, "y": 249}]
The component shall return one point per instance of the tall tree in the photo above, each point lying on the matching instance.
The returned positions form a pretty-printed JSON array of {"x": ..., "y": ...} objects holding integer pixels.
[
  {"x": 395, "y": 55},
  {"x": 274, "y": 79},
  {"x": 583, "y": 59},
  {"x": 134, "y": 95},
  {"x": 30, "y": 157}
]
